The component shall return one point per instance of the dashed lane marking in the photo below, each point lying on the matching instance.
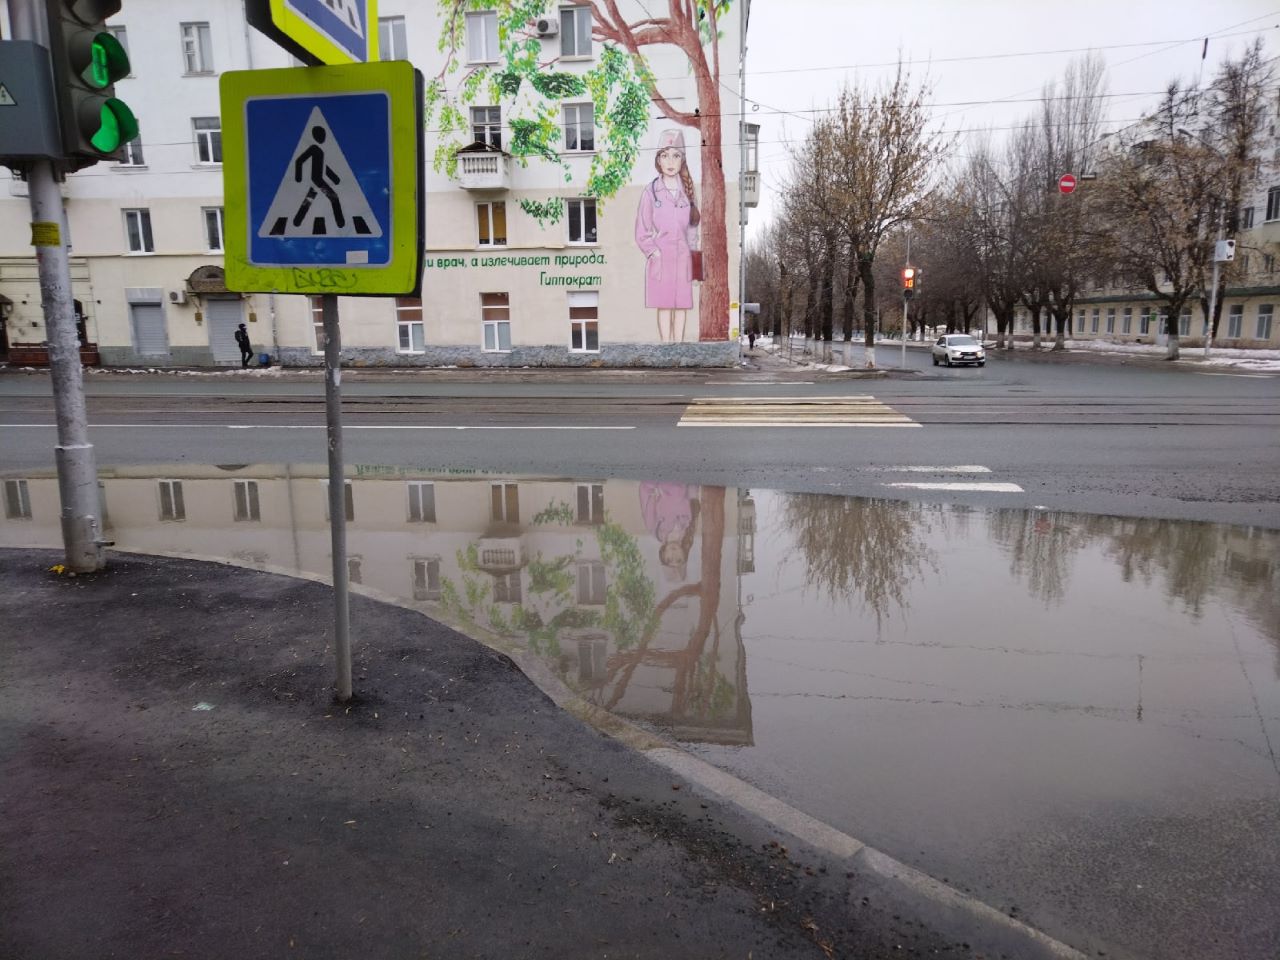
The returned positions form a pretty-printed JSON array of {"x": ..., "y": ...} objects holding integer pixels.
[{"x": 854, "y": 411}]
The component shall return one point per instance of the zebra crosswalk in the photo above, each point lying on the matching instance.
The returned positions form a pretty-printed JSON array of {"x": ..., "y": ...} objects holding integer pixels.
[{"x": 854, "y": 411}]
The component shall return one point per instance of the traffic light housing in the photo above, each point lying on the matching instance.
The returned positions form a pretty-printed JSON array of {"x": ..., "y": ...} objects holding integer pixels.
[
  {"x": 87, "y": 61},
  {"x": 908, "y": 282}
]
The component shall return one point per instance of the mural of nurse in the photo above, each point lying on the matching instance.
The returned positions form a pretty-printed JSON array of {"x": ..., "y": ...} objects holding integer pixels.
[{"x": 667, "y": 234}]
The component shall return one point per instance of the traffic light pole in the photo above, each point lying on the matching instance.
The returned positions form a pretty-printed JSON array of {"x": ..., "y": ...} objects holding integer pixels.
[{"x": 74, "y": 456}]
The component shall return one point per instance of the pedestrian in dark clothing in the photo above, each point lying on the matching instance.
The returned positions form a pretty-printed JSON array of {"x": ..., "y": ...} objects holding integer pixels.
[
  {"x": 751, "y": 340},
  {"x": 246, "y": 350}
]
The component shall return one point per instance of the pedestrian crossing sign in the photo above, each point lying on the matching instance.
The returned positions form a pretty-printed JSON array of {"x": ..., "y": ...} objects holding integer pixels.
[{"x": 322, "y": 170}]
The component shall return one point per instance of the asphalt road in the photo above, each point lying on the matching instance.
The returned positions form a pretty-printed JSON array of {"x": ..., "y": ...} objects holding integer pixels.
[{"x": 1136, "y": 439}]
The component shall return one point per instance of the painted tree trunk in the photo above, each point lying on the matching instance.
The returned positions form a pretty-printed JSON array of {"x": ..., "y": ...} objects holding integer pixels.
[
  {"x": 713, "y": 301},
  {"x": 868, "y": 310}
]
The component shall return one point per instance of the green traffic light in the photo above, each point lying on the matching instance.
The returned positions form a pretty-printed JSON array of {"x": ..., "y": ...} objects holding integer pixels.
[
  {"x": 116, "y": 126},
  {"x": 106, "y": 63}
]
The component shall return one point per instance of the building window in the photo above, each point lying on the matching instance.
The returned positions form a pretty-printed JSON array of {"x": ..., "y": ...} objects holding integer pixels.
[
  {"x": 213, "y": 228},
  {"x": 575, "y": 31},
  {"x": 422, "y": 502},
  {"x": 122, "y": 37},
  {"x": 591, "y": 583},
  {"x": 1094, "y": 326},
  {"x": 137, "y": 227},
  {"x": 132, "y": 153},
  {"x": 1079, "y": 322},
  {"x": 1144, "y": 322},
  {"x": 1273, "y": 203},
  {"x": 1263, "y": 330},
  {"x": 426, "y": 578},
  {"x": 491, "y": 223},
  {"x": 495, "y": 313},
  {"x": 392, "y": 44},
  {"x": 504, "y": 501},
  {"x": 591, "y": 503},
  {"x": 1235, "y": 320},
  {"x": 592, "y": 659},
  {"x": 355, "y": 569},
  {"x": 582, "y": 220},
  {"x": 1126, "y": 325},
  {"x": 1246, "y": 218},
  {"x": 348, "y": 504},
  {"x": 482, "y": 37},
  {"x": 208, "y": 133},
  {"x": 17, "y": 500},
  {"x": 579, "y": 127},
  {"x": 1111, "y": 319},
  {"x": 1268, "y": 263},
  {"x": 506, "y": 587},
  {"x": 486, "y": 126},
  {"x": 584, "y": 323},
  {"x": 410, "y": 326},
  {"x": 317, "y": 322},
  {"x": 1184, "y": 323},
  {"x": 171, "y": 504},
  {"x": 246, "y": 501},
  {"x": 197, "y": 48}
]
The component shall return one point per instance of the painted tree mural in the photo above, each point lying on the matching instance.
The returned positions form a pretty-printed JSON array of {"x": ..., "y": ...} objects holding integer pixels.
[{"x": 528, "y": 79}]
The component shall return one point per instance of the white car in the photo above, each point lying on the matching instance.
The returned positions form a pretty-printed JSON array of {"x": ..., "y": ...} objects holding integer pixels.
[{"x": 956, "y": 348}]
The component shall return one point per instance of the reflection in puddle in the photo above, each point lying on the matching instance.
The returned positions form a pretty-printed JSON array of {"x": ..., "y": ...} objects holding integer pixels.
[{"x": 977, "y": 685}]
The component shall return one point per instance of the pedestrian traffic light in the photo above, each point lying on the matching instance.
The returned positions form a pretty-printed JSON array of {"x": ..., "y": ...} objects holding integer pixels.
[
  {"x": 87, "y": 61},
  {"x": 908, "y": 282}
]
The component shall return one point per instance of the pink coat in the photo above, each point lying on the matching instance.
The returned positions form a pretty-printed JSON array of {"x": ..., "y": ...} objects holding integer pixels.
[{"x": 662, "y": 225}]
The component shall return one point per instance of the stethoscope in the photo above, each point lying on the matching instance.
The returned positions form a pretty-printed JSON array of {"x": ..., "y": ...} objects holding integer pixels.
[{"x": 681, "y": 201}]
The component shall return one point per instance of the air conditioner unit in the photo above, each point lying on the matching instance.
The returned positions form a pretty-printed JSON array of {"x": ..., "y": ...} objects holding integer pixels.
[
  {"x": 177, "y": 296},
  {"x": 548, "y": 27}
]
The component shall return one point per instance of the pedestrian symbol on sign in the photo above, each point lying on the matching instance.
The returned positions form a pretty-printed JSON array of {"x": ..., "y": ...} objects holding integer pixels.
[{"x": 319, "y": 195}]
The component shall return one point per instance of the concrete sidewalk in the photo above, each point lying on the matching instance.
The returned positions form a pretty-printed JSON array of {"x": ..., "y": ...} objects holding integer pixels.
[{"x": 176, "y": 781}]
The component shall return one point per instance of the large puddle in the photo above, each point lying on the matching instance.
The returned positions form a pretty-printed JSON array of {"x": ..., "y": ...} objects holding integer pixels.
[{"x": 1077, "y": 718}]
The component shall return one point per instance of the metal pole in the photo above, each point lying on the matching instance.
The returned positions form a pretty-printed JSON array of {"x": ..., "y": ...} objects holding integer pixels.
[
  {"x": 77, "y": 468},
  {"x": 1213, "y": 290},
  {"x": 337, "y": 492},
  {"x": 904, "y": 309}
]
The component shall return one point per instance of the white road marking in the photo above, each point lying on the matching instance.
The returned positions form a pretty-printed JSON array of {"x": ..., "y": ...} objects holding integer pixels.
[
  {"x": 299, "y": 426},
  {"x": 860, "y": 410},
  {"x": 758, "y": 383},
  {"x": 962, "y": 468},
  {"x": 974, "y": 487}
]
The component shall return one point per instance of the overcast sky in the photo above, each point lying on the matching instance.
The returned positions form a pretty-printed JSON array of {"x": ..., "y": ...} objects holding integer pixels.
[{"x": 801, "y": 51}]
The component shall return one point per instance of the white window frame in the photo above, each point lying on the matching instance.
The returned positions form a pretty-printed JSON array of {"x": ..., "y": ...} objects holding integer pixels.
[
  {"x": 481, "y": 34},
  {"x": 485, "y": 127},
  {"x": 1273, "y": 204},
  {"x": 1235, "y": 321},
  {"x": 393, "y": 43},
  {"x": 583, "y": 206},
  {"x": 207, "y": 135},
  {"x": 214, "y": 223},
  {"x": 592, "y": 585},
  {"x": 349, "y": 500},
  {"x": 17, "y": 500},
  {"x": 572, "y": 116},
  {"x": 1111, "y": 319},
  {"x": 1095, "y": 320},
  {"x": 133, "y": 154},
  {"x": 1246, "y": 218},
  {"x": 422, "y": 501},
  {"x": 424, "y": 576},
  {"x": 173, "y": 507},
  {"x": 197, "y": 48},
  {"x": 577, "y": 15},
  {"x": 317, "y": 325},
  {"x": 590, "y": 503},
  {"x": 493, "y": 323},
  {"x": 245, "y": 507},
  {"x": 504, "y": 502},
  {"x": 1126, "y": 321},
  {"x": 593, "y": 655},
  {"x": 121, "y": 32},
  {"x": 1184, "y": 323},
  {"x": 585, "y": 300},
  {"x": 508, "y": 587},
  {"x": 139, "y": 219},
  {"x": 1262, "y": 328},
  {"x": 407, "y": 326},
  {"x": 486, "y": 211}
]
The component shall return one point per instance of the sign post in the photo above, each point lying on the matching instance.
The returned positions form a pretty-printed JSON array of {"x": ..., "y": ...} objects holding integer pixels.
[
  {"x": 318, "y": 32},
  {"x": 322, "y": 173},
  {"x": 1066, "y": 183}
]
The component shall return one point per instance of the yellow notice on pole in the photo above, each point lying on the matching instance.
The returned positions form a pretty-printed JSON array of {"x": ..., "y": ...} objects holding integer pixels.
[{"x": 45, "y": 234}]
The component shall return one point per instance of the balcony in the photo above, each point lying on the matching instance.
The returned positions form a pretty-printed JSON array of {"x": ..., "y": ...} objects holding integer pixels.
[
  {"x": 482, "y": 167},
  {"x": 751, "y": 188},
  {"x": 500, "y": 555}
]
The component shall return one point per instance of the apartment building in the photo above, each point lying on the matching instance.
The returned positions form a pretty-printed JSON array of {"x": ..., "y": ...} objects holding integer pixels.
[{"x": 553, "y": 234}]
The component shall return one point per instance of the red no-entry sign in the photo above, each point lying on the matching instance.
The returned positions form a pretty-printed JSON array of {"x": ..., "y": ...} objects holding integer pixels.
[{"x": 1066, "y": 183}]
